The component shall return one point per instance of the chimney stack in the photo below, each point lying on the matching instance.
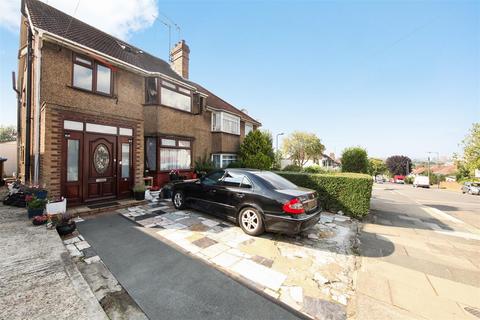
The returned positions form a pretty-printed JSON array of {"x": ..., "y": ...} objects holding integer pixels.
[{"x": 179, "y": 57}]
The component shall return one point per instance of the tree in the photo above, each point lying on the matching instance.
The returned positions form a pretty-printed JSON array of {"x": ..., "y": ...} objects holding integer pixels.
[
  {"x": 8, "y": 133},
  {"x": 376, "y": 166},
  {"x": 471, "y": 149},
  {"x": 301, "y": 147},
  {"x": 355, "y": 159},
  {"x": 256, "y": 150},
  {"x": 399, "y": 165}
]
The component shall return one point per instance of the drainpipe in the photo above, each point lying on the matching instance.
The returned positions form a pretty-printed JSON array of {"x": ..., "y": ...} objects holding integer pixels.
[
  {"x": 28, "y": 111},
  {"x": 36, "y": 132},
  {"x": 19, "y": 114}
]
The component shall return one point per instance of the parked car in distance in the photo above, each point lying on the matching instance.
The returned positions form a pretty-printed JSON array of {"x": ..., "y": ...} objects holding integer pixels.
[
  {"x": 257, "y": 200},
  {"x": 379, "y": 179},
  {"x": 471, "y": 188},
  {"x": 421, "y": 181},
  {"x": 399, "y": 179}
]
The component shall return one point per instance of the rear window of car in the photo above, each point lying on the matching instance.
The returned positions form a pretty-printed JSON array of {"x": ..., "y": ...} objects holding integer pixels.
[{"x": 275, "y": 181}]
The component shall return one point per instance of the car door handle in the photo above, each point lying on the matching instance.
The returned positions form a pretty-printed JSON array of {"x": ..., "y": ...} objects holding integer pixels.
[
  {"x": 213, "y": 191},
  {"x": 240, "y": 195}
]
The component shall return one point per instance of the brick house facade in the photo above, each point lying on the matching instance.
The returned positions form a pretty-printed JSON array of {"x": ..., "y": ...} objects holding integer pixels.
[{"x": 103, "y": 114}]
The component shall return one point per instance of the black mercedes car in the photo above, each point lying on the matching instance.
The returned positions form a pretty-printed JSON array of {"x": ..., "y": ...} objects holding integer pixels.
[{"x": 257, "y": 200}]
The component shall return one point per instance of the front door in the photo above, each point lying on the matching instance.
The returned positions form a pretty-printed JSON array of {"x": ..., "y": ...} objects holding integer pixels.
[{"x": 101, "y": 167}]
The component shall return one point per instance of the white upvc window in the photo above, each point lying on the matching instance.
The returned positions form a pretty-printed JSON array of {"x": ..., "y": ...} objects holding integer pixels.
[
  {"x": 222, "y": 160},
  {"x": 248, "y": 128},
  {"x": 225, "y": 122}
]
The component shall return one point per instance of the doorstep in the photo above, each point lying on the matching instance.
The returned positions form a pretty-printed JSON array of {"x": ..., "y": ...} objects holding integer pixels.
[{"x": 84, "y": 210}]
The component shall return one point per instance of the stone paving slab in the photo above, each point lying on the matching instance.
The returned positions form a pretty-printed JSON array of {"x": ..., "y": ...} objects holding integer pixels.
[{"x": 311, "y": 272}]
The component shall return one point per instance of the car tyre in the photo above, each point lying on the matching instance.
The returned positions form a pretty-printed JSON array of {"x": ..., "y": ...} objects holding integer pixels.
[
  {"x": 178, "y": 200},
  {"x": 251, "y": 222}
]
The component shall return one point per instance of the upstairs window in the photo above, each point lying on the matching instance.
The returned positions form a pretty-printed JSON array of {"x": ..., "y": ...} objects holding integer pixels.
[
  {"x": 225, "y": 122},
  {"x": 248, "y": 128},
  {"x": 91, "y": 75},
  {"x": 151, "y": 91}
]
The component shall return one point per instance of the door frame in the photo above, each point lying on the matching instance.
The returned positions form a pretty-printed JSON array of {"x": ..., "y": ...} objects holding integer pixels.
[{"x": 81, "y": 132}]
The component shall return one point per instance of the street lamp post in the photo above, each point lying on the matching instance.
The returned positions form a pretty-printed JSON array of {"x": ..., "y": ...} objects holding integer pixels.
[
  {"x": 276, "y": 145},
  {"x": 438, "y": 158}
]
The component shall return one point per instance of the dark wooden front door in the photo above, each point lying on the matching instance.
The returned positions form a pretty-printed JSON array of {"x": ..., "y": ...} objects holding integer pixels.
[{"x": 101, "y": 167}]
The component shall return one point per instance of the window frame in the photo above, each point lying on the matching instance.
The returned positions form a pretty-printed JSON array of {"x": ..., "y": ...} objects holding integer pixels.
[
  {"x": 162, "y": 83},
  {"x": 93, "y": 67},
  {"x": 221, "y": 158},
  {"x": 176, "y": 147},
  {"x": 157, "y": 100},
  {"x": 222, "y": 129},
  {"x": 249, "y": 124}
]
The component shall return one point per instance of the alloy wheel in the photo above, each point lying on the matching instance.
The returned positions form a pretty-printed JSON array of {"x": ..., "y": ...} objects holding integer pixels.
[
  {"x": 178, "y": 200},
  {"x": 250, "y": 220}
]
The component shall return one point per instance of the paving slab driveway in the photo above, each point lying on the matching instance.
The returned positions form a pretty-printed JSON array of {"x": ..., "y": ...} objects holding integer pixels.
[
  {"x": 310, "y": 272},
  {"x": 168, "y": 284}
]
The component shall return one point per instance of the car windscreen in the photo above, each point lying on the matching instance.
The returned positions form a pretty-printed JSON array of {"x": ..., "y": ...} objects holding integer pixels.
[{"x": 275, "y": 181}]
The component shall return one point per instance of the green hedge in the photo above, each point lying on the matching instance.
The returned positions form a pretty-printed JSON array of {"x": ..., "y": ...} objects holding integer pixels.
[{"x": 349, "y": 192}]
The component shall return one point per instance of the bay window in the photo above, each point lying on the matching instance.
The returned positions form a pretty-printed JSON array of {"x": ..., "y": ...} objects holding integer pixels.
[
  {"x": 225, "y": 122},
  {"x": 151, "y": 153},
  {"x": 222, "y": 160},
  {"x": 151, "y": 91},
  {"x": 248, "y": 128},
  {"x": 168, "y": 94},
  {"x": 175, "y": 153},
  {"x": 91, "y": 75}
]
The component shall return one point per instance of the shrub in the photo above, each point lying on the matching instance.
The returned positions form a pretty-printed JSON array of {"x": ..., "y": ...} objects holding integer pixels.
[
  {"x": 292, "y": 168},
  {"x": 355, "y": 159},
  {"x": 348, "y": 192},
  {"x": 256, "y": 150},
  {"x": 409, "y": 179},
  {"x": 314, "y": 169}
]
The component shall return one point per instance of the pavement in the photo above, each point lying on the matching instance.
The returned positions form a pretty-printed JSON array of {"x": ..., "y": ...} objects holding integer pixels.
[
  {"x": 168, "y": 284},
  {"x": 419, "y": 255},
  {"x": 37, "y": 279}
]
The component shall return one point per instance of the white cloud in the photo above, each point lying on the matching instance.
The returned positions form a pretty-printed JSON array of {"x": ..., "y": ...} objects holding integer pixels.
[{"x": 118, "y": 17}]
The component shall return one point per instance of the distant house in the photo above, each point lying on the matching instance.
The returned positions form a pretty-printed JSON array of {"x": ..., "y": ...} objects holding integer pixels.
[
  {"x": 8, "y": 150},
  {"x": 327, "y": 162}
]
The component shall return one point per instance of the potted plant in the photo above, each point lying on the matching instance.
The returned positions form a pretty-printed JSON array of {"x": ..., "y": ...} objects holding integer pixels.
[
  {"x": 35, "y": 207},
  {"x": 139, "y": 192},
  {"x": 63, "y": 223}
]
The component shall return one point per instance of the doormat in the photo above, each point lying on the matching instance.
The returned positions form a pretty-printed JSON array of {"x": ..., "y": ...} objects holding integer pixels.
[{"x": 103, "y": 205}]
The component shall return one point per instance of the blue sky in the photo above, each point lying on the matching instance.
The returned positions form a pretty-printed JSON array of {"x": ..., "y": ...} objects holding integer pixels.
[{"x": 393, "y": 77}]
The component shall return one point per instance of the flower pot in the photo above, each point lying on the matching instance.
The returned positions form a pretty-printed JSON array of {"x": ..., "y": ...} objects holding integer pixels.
[
  {"x": 33, "y": 212},
  {"x": 66, "y": 228},
  {"x": 139, "y": 195},
  {"x": 39, "y": 220}
]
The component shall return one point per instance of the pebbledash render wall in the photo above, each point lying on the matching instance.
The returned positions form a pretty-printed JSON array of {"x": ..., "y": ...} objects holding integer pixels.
[{"x": 60, "y": 101}]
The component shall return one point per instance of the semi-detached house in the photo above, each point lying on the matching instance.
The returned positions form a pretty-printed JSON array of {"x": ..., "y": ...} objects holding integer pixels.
[{"x": 97, "y": 114}]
